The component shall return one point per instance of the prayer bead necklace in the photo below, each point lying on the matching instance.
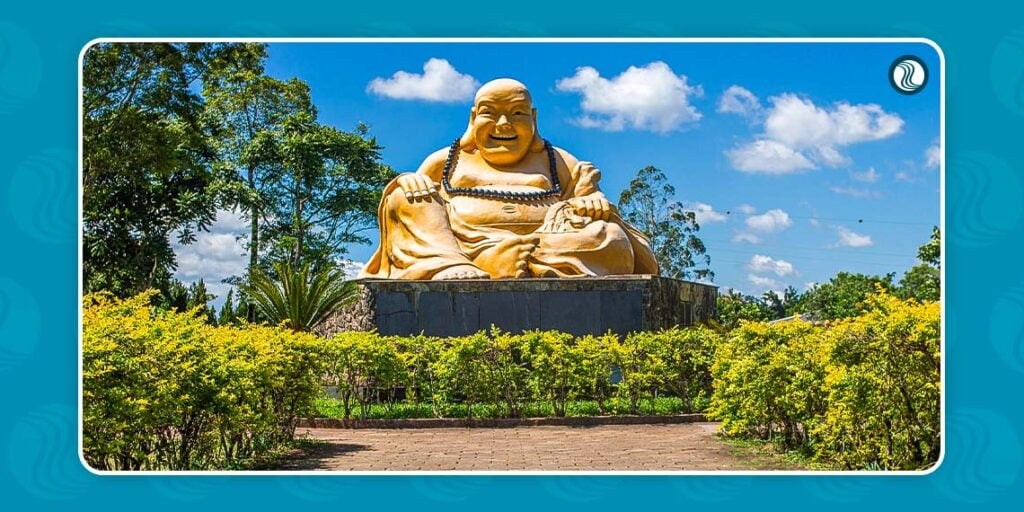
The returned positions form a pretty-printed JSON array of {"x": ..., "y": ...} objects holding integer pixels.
[{"x": 453, "y": 161}]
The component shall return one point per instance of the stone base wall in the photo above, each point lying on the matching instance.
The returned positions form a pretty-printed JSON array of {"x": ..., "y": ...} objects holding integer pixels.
[{"x": 579, "y": 306}]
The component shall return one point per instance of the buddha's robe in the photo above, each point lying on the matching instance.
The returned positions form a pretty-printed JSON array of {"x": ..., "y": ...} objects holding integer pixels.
[{"x": 418, "y": 239}]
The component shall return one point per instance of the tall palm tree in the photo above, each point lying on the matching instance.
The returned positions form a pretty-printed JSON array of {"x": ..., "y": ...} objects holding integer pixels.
[{"x": 300, "y": 300}]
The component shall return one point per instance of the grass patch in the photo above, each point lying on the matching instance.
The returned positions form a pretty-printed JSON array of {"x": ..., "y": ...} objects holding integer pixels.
[
  {"x": 756, "y": 451},
  {"x": 332, "y": 408}
]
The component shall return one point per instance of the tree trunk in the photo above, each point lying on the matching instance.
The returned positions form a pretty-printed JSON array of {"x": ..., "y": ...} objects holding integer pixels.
[{"x": 254, "y": 239}]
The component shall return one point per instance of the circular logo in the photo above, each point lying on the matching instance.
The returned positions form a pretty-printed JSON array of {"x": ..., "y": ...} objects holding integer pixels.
[{"x": 908, "y": 75}]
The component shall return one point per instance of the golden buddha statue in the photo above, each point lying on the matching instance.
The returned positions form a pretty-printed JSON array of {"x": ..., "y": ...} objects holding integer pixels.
[{"x": 501, "y": 202}]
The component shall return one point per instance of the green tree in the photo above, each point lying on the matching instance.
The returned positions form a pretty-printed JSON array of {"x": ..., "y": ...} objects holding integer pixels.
[
  {"x": 227, "y": 310},
  {"x": 298, "y": 298},
  {"x": 649, "y": 204},
  {"x": 793, "y": 301},
  {"x": 931, "y": 252},
  {"x": 734, "y": 307},
  {"x": 327, "y": 188},
  {"x": 199, "y": 297},
  {"x": 922, "y": 282},
  {"x": 147, "y": 161},
  {"x": 844, "y": 295},
  {"x": 243, "y": 103},
  {"x": 775, "y": 305}
]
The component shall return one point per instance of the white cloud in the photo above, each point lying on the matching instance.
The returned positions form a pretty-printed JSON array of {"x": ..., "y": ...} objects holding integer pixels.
[
  {"x": 809, "y": 285},
  {"x": 762, "y": 263},
  {"x": 859, "y": 193},
  {"x": 799, "y": 123},
  {"x": 799, "y": 135},
  {"x": 868, "y": 176},
  {"x": 932, "y": 156},
  {"x": 439, "y": 82},
  {"x": 749, "y": 238},
  {"x": 814, "y": 222},
  {"x": 746, "y": 208},
  {"x": 763, "y": 282},
  {"x": 849, "y": 238},
  {"x": 903, "y": 176},
  {"x": 768, "y": 157},
  {"x": 705, "y": 213},
  {"x": 650, "y": 98},
  {"x": 738, "y": 100},
  {"x": 351, "y": 268},
  {"x": 215, "y": 255},
  {"x": 771, "y": 221}
]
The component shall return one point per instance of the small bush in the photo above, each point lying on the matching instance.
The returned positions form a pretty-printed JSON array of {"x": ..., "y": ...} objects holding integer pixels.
[
  {"x": 165, "y": 390},
  {"x": 861, "y": 393},
  {"x": 883, "y": 387}
]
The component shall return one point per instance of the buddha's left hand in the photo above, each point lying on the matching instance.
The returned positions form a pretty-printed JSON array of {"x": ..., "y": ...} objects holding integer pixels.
[
  {"x": 585, "y": 176},
  {"x": 594, "y": 206}
]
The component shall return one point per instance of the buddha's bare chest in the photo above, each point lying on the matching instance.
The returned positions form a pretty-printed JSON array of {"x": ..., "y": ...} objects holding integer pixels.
[{"x": 472, "y": 175}]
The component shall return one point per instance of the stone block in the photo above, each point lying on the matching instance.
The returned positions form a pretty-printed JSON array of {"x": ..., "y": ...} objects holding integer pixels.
[{"x": 620, "y": 304}]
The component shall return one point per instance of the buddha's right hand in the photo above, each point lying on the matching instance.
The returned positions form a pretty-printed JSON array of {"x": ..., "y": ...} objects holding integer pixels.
[{"x": 416, "y": 187}]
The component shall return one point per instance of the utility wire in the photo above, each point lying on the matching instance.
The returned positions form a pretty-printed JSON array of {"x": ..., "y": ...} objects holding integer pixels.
[
  {"x": 807, "y": 247},
  {"x": 838, "y": 219},
  {"x": 870, "y": 263}
]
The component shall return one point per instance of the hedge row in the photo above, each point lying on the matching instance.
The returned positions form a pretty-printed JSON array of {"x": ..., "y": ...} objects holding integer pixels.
[
  {"x": 506, "y": 372},
  {"x": 165, "y": 390},
  {"x": 863, "y": 393}
]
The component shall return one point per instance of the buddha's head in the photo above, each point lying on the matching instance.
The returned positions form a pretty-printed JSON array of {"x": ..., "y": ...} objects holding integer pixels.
[{"x": 502, "y": 123}]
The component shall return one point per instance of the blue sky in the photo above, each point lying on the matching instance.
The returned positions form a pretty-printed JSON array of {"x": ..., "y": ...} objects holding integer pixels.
[{"x": 781, "y": 148}]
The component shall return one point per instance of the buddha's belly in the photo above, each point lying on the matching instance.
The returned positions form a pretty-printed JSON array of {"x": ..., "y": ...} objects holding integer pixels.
[{"x": 517, "y": 216}]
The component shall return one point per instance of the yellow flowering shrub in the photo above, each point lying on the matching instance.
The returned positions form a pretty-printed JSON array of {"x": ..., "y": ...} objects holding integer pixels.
[
  {"x": 883, "y": 385},
  {"x": 165, "y": 390},
  {"x": 863, "y": 392},
  {"x": 767, "y": 380},
  {"x": 363, "y": 365}
]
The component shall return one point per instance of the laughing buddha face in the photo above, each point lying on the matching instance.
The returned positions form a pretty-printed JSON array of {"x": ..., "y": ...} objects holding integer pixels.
[{"x": 503, "y": 122}]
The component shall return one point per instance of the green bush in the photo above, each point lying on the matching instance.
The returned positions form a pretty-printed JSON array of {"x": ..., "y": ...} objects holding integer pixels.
[
  {"x": 553, "y": 367},
  {"x": 680, "y": 360},
  {"x": 883, "y": 386},
  {"x": 765, "y": 381},
  {"x": 463, "y": 372},
  {"x": 361, "y": 365},
  {"x": 863, "y": 392},
  {"x": 507, "y": 374},
  {"x": 165, "y": 390},
  {"x": 595, "y": 356}
]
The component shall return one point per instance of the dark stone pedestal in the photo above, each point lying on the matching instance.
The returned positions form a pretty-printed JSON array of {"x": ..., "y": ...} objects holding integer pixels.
[{"x": 577, "y": 306}]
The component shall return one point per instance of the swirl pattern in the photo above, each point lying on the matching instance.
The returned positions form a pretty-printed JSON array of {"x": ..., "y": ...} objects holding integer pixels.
[
  {"x": 42, "y": 454},
  {"x": 19, "y": 323},
  {"x": 985, "y": 199},
  {"x": 42, "y": 197},
  {"x": 983, "y": 457}
]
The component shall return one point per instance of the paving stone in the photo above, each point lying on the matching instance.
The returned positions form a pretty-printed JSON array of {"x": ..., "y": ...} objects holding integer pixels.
[{"x": 691, "y": 446}]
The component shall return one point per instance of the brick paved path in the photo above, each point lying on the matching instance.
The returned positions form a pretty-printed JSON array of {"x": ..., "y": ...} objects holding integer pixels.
[{"x": 691, "y": 446}]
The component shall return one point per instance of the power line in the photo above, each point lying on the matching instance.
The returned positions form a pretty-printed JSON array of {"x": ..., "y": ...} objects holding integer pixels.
[
  {"x": 858, "y": 220},
  {"x": 860, "y": 262},
  {"x": 807, "y": 247},
  {"x": 862, "y": 221}
]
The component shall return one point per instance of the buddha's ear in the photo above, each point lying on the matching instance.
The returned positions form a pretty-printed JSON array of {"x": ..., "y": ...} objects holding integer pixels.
[
  {"x": 537, "y": 144},
  {"x": 467, "y": 142}
]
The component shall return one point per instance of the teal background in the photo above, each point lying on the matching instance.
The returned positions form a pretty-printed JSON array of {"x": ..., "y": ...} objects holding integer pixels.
[{"x": 39, "y": 46}]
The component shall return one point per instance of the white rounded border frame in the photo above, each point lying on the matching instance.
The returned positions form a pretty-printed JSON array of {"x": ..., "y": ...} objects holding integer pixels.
[{"x": 583, "y": 40}]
